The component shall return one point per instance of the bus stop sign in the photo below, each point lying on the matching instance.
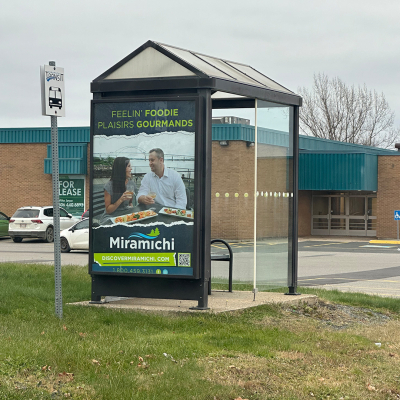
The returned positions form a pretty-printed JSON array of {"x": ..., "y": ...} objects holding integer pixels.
[{"x": 53, "y": 91}]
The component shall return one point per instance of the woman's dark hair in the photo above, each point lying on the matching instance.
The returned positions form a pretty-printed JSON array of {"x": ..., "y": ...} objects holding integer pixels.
[{"x": 118, "y": 177}]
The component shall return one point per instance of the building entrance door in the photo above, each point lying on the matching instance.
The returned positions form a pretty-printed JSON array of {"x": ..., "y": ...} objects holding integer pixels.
[{"x": 344, "y": 214}]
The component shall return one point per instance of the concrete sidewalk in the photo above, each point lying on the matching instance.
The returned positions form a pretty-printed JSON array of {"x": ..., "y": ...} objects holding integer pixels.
[{"x": 219, "y": 301}]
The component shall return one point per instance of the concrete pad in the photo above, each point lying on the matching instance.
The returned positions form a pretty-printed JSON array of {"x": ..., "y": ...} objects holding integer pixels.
[{"x": 219, "y": 301}]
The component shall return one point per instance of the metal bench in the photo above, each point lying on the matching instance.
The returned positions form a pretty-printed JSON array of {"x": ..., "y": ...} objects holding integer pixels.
[{"x": 223, "y": 257}]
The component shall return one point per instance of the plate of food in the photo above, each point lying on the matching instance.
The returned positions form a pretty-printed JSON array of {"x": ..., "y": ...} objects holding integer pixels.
[
  {"x": 134, "y": 217},
  {"x": 177, "y": 212}
]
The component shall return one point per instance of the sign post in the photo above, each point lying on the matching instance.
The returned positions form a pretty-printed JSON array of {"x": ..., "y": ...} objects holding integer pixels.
[
  {"x": 397, "y": 218},
  {"x": 52, "y": 85}
]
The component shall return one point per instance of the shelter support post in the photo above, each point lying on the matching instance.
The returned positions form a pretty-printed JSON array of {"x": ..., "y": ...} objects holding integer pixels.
[
  {"x": 293, "y": 220},
  {"x": 205, "y": 196}
]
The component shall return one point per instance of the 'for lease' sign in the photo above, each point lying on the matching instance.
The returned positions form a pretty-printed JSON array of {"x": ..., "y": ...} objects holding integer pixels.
[{"x": 72, "y": 194}]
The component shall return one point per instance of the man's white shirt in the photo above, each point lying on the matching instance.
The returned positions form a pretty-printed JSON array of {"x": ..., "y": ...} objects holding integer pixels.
[{"x": 170, "y": 188}]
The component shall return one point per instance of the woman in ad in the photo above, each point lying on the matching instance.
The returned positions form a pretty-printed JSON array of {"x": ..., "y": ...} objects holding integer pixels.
[{"x": 119, "y": 190}]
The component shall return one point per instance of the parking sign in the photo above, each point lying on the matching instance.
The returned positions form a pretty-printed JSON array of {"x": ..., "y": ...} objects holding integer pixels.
[{"x": 397, "y": 215}]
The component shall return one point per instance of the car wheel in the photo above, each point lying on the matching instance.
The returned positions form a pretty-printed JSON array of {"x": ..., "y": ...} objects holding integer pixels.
[
  {"x": 49, "y": 234},
  {"x": 17, "y": 239},
  {"x": 64, "y": 245}
]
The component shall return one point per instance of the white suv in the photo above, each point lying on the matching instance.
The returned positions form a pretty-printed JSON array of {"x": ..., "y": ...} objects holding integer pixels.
[{"x": 37, "y": 222}]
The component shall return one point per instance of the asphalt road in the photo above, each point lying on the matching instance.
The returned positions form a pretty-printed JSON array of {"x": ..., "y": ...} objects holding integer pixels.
[
  {"x": 36, "y": 251},
  {"x": 335, "y": 263},
  {"x": 350, "y": 266}
]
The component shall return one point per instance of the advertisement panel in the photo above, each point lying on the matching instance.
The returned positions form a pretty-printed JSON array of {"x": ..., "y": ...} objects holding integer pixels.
[
  {"x": 143, "y": 187},
  {"x": 72, "y": 194}
]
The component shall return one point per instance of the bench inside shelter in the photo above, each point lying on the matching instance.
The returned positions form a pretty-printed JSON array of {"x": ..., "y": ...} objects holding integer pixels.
[{"x": 226, "y": 256}]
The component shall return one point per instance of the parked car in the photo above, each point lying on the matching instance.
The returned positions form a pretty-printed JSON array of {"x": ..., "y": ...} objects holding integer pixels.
[
  {"x": 4, "y": 221},
  {"x": 37, "y": 222},
  {"x": 85, "y": 214},
  {"x": 76, "y": 237}
]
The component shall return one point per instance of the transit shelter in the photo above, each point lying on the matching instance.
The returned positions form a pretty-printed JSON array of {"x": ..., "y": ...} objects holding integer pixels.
[{"x": 158, "y": 103}]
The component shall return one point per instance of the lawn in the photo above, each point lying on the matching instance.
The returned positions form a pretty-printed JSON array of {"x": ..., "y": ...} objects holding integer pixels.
[{"x": 347, "y": 346}]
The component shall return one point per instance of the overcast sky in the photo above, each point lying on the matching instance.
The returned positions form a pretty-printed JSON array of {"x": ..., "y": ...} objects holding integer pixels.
[{"x": 289, "y": 41}]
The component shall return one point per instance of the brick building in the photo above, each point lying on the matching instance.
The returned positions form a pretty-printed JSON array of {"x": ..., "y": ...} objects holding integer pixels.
[
  {"x": 344, "y": 189},
  {"x": 25, "y": 168}
]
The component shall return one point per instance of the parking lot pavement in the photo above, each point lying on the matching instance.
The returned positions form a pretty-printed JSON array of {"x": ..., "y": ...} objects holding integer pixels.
[
  {"x": 346, "y": 264},
  {"x": 37, "y": 251}
]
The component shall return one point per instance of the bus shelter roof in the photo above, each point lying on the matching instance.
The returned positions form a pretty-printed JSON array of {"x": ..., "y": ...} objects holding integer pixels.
[{"x": 162, "y": 68}]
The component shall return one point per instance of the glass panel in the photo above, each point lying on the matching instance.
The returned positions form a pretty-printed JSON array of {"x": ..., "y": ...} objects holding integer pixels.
[
  {"x": 371, "y": 224},
  {"x": 274, "y": 194},
  {"x": 357, "y": 206},
  {"x": 338, "y": 223},
  {"x": 372, "y": 206},
  {"x": 149, "y": 63},
  {"x": 232, "y": 202},
  {"x": 320, "y": 223},
  {"x": 197, "y": 62},
  {"x": 82, "y": 225},
  {"x": 320, "y": 206},
  {"x": 232, "y": 72},
  {"x": 259, "y": 77},
  {"x": 357, "y": 224},
  {"x": 338, "y": 206}
]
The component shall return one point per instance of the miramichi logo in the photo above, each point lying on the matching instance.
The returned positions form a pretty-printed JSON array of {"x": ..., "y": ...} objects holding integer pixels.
[{"x": 152, "y": 235}]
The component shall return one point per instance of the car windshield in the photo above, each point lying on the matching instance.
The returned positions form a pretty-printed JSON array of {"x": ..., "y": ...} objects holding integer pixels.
[
  {"x": 82, "y": 225},
  {"x": 32, "y": 213}
]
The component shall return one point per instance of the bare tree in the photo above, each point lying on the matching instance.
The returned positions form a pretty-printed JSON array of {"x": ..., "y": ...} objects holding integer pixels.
[{"x": 332, "y": 110}]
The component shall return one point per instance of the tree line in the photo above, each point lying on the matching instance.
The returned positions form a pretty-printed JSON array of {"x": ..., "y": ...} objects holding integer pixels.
[{"x": 353, "y": 114}]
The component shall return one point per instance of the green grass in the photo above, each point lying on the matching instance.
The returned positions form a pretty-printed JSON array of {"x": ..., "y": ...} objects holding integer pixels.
[{"x": 266, "y": 352}]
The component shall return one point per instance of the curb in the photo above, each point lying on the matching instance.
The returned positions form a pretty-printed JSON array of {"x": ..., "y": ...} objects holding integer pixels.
[{"x": 384, "y": 241}]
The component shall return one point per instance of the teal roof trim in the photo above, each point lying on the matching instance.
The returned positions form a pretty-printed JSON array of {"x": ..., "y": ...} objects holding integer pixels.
[
  {"x": 71, "y": 166},
  {"x": 43, "y": 135},
  {"x": 279, "y": 138},
  {"x": 72, "y": 159},
  {"x": 311, "y": 143},
  {"x": 73, "y": 150},
  {"x": 219, "y": 132},
  {"x": 247, "y": 134},
  {"x": 233, "y": 132},
  {"x": 338, "y": 171}
]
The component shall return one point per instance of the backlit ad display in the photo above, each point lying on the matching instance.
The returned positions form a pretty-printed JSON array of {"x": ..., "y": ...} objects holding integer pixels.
[{"x": 143, "y": 164}]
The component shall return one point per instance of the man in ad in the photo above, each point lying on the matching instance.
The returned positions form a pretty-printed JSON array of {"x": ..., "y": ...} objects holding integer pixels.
[{"x": 162, "y": 185}]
